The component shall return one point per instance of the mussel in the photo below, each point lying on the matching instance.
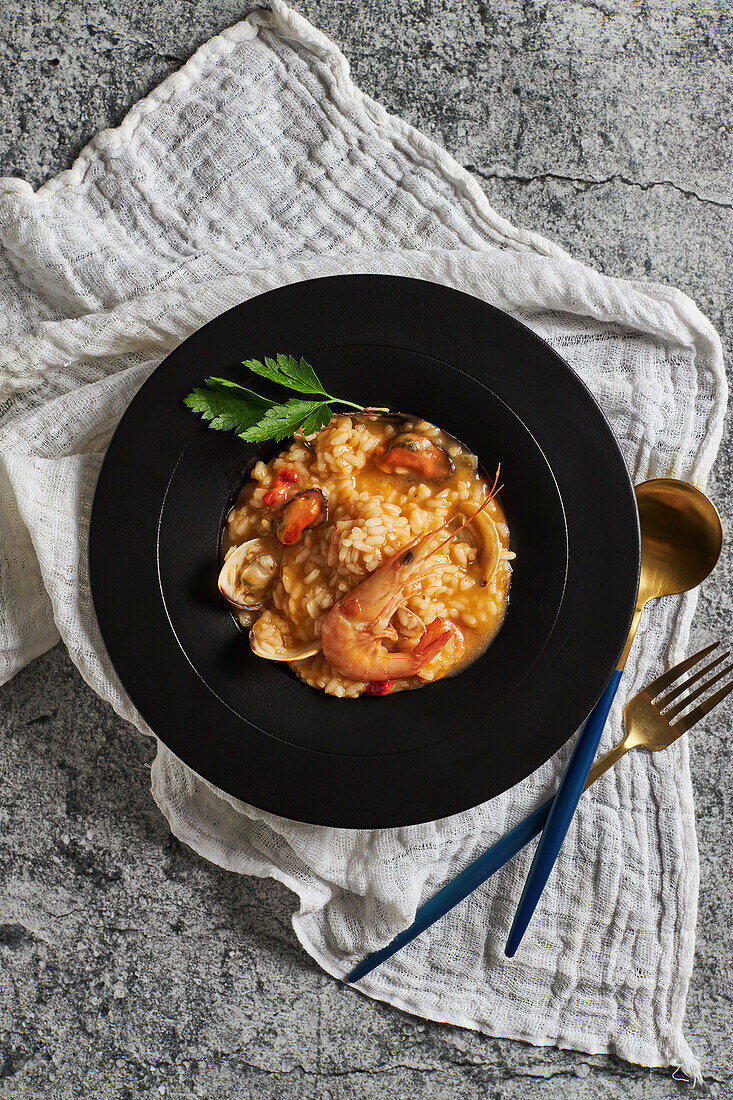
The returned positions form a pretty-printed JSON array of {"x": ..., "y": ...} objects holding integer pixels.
[
  {"x": 414, "y": 455},
  {"x": 249, "y": 573},
  {"x": 304, "y": 510}
]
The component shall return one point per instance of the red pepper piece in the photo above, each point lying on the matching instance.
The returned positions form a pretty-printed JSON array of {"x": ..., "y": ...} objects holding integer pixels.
[
  {"x": 379, "y": 687},
  {"x": 278, "y": 491}
]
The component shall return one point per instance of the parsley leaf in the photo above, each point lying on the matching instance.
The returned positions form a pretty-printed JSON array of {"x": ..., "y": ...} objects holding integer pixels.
[
  {"x": 228, "y": 406},
  {"x": 280, "y": 421},
  {"x": 288, "y": 371},
  {"x": 317, "y": 419},
  {"x": 231, "y": 407}
]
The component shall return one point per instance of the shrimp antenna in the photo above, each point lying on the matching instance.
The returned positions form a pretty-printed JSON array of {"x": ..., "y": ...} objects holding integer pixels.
[{"x": 494, "y": 491}]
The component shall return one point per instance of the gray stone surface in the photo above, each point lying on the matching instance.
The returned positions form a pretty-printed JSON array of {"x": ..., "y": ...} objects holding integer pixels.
[{"x": 130, "y": 968}]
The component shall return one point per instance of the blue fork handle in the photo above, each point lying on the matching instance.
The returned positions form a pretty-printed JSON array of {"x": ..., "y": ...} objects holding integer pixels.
[
  {"x": 561, "y": 814},
  {"x": 459, "y": 888}
]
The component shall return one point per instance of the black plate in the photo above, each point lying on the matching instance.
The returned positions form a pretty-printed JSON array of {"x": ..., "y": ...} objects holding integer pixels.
[{"x": 249, "y": 726}]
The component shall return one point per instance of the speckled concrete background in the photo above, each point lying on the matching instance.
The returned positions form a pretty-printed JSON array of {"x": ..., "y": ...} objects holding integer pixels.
[{"x": 136, "y": 970}]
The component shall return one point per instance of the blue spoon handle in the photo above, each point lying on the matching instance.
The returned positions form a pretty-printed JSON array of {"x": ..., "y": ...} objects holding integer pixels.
[
  {"x": 459, "y": 888},
  {"x": 561, "y": 814}
]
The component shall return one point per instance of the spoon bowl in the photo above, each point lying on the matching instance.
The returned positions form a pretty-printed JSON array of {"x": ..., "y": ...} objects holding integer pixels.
[
  {"x": 681, "y": 537},
  {"x": 681, "y": 540}
]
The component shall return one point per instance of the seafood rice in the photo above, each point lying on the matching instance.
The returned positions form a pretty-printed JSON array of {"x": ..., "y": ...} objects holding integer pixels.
[{"x": 339, "y": 507}]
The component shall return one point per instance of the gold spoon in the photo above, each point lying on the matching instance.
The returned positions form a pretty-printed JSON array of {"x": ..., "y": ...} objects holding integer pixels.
[{"x": 681, "y": 540}]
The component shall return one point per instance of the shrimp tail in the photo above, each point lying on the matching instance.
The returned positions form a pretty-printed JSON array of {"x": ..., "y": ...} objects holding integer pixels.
[{"x": 436, "y": 636}]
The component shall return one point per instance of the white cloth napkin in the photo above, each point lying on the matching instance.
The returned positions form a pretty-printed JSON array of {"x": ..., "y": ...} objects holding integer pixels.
[{"x": 260, "y": 164}]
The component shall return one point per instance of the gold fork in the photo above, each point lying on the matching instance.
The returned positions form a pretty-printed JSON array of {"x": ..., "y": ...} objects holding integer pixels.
[{"x": 650, "y": 722}]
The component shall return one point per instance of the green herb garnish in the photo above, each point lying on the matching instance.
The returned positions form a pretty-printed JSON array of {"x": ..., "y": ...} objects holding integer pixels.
[{"x": 231, "y": 407}]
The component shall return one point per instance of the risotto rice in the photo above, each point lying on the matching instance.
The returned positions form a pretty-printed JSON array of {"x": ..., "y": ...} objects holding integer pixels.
[{"x": 371, "y": 515}]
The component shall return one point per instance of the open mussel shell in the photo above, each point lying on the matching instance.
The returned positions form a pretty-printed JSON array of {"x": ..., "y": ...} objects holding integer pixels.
[
  {"x": 413, "y": 454},
  {"x": 409, "y": 422},
  {"x": 249, "y": 573},
  {"x": 373, "y": 413}
]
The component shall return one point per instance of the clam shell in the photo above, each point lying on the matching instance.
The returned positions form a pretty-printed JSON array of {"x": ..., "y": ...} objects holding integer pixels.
[
  {"x": 230, "y": 585},
  {"x": 490, "y": 545},
  {"x": 291, "y": 653}
]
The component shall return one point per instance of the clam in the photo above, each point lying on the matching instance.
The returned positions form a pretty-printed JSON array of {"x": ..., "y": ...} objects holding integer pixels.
[
  {"x": 415, "y": 455},
  {"x": 249, "y": 573},
  {"x": 306, "y": 509},
  {"x": 272, "y": 646},
  {"x": 283, "y": 653}
]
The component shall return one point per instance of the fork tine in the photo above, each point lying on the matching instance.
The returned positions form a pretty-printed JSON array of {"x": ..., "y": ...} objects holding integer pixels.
[
  {"x": 668, "y": 678},
  {"x": 688, "y": 721},
  {"x": 670, "y": 714},
  {"x": 664, "y": 701}
]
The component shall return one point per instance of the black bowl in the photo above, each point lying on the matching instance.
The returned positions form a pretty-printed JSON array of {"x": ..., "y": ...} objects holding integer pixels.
[{"x": 249, "y": 725}]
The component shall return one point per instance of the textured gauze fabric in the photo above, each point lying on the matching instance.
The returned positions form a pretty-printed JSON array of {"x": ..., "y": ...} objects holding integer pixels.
[{"x": 260, "y": 164}]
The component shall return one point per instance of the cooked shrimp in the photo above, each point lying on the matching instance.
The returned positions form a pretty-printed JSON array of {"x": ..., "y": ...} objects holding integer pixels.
[{"x": 357, "y": 626}]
